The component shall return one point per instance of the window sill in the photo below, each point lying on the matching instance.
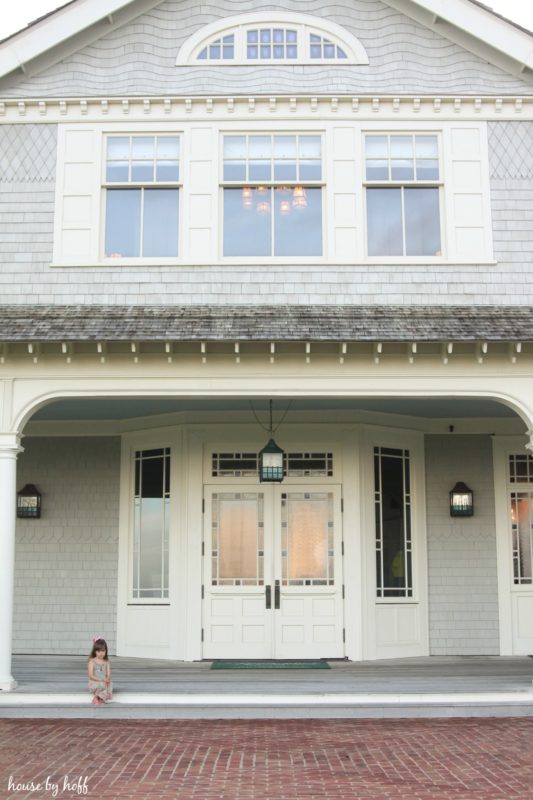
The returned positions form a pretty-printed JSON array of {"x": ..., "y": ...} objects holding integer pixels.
[{"x": 165, "y": 263}]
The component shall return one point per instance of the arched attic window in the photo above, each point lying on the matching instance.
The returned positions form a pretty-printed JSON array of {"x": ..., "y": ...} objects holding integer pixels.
[{"x": 280, "y": 39}]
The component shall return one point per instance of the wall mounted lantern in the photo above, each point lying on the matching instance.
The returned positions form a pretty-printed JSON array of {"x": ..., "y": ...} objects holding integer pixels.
[
  {"x": 271, "y": 459},
  {"x": 461, "y": 501},
  {"x": 29, "y": 502}
]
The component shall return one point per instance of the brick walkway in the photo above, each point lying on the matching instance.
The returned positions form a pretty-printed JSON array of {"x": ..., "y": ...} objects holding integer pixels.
[{"x": 460, "y": 759}]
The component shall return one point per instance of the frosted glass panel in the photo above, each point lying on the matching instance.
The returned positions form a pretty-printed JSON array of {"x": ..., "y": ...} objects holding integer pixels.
[
  {"x": 237, "y": 540},
  {"x": 307, "y": 538}
]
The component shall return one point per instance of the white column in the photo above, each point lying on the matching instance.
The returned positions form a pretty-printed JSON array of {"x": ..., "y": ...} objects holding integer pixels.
[{"x": 9, "y": 449}]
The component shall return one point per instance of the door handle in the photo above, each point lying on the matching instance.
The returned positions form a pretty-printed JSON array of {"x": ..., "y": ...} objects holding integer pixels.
[
  {"x": 277, "y": 595},
  {"x": 268, "y": 596}
]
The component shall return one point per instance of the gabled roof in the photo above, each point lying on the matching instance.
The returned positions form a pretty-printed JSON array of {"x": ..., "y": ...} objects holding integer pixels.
[{"x": 466, "y": 22}]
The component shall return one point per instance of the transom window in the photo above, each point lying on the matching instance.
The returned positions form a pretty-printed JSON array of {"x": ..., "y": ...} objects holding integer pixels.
[
  {"x": 295, "y": 465},
  {"x": 403, "y": 195},
  {"x": 142, "y": 176},
  {"x": 272, "y": 195},
  {"x": 286, "y": 38}
]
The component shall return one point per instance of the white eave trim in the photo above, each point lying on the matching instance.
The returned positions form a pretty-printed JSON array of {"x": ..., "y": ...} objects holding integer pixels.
[
  {"x": 58, "y": 27},
  {"x": 461, "y": 15}
]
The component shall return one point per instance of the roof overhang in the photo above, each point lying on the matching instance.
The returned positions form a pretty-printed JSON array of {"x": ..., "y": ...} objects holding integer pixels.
[
  {"x": 76, "y": 24},
  {"x": 266, "y": 331}
]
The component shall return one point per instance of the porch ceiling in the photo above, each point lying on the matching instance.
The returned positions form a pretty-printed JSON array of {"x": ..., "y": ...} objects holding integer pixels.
[{"x": 129, "y": 408}]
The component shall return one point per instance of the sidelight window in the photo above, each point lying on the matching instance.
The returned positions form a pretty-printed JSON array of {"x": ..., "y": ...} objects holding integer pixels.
[
  {"x": 392, "y": 503},
  {"x": 151, "y": 519}
]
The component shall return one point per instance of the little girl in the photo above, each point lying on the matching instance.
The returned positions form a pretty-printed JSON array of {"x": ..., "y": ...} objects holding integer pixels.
[{"x": 99, "y": 670}]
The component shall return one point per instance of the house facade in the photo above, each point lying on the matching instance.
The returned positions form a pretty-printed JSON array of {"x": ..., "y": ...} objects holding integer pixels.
[{"x": 206, "y": 213}]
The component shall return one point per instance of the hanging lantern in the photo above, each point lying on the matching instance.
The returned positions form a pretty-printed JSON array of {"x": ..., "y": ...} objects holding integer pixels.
[
  {"x": 270, "y": 459},
  {"x": 461, "y": 501},
  {"x": 247, "y": 197},
  {"x": 263, "y": 207},
  {"x": 285, "y": 207},
  {"x": 299, "y": 197},
  {"x": 271, "y": 463},
  {"x": 29, "y": 502}
]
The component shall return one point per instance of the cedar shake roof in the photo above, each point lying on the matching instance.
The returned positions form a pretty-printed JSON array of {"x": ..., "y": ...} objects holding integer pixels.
[{"x": 221, "y": 323}]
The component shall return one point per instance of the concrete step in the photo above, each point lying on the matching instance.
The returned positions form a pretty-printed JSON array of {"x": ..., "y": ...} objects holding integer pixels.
[{"x": 198, "y": 705}]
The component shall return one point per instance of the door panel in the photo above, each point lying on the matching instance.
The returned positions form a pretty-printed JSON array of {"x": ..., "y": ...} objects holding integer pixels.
[
  {"x": 309, "y": 552},
  {"x": 236, "y": 623},
  {"x": 273, "y": 572}
]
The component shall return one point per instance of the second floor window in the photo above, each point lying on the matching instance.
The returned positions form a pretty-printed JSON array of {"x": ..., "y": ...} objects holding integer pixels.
[
  {"x": 142, "y": 196},
  {"x": 272, "y": 195},
  {"x": 402, "y": 195}
]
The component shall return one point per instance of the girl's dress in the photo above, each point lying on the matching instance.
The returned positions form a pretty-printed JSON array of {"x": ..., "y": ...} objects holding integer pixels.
[{"x": 99, "y": 687}]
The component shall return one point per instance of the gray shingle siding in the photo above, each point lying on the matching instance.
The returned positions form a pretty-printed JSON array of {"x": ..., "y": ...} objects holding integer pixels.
[{"x": 139, "y": 58}]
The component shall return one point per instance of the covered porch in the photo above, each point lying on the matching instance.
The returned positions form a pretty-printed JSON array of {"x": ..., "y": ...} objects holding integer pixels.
[
  {"x": 437, "y": 686},
  {"x": 90, "y": 412}
]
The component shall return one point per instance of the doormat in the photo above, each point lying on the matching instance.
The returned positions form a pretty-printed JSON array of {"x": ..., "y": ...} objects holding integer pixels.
[{"x": 236, "y": 664}]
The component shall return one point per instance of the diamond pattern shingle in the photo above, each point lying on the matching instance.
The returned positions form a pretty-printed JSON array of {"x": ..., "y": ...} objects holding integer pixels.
[
  {"x": 265, "y": 323},
  {"x": 28, "y": 153}
]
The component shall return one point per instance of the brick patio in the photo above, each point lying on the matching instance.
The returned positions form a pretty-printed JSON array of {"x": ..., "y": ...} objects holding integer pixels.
[{"x": 463, "y": 759}]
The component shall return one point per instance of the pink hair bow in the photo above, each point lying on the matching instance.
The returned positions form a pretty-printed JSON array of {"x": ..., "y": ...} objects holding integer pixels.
[{"x": 95, "y": 638}]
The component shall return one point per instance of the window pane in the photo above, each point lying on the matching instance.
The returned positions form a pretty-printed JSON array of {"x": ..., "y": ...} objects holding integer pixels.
[
  {"x": 252, "y": 36},
  {"x": 117, "y": 171},
  {"x": 316, "y": 51},
  {"x": 402, "y": 170},
  {"x": 142, "y": 171},
  {"x": 247, "y": 222},
  {"x": 285, "y": 171},
  {"x": 298, "y": 222},
  {"x": 234, "y": 170},
  {"x": 260, "y": 146},
  {"x": 118, "y": 147},
  {"x": 123, "y": 222},
  {"x": 384, "y": 222},
  {"x": 143, "y": 147},
  {"x": 309, "y": 146},
  {"x": 285, "y": 147},
  {"x": 427, "y": 170},
  {"x": 401, "y": 146},
  {"x": 235, "y": 147},
  {"x": 310, "y": 170},
  {"x": 259, "y": 170},
  {"x": 376, "y": 147},
  {"x": 422, "y": 222},
  {"x": 426, "y": 147},
  {"x": 377, "y": 170},
  {"x": 168, "y": 147},
  {"x": 160, "y": 222},
  {"x": 167, "y": 171}
]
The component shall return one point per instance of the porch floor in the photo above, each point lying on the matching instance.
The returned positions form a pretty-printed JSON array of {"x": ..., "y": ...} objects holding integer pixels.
[{"x": 432, "y": 686}]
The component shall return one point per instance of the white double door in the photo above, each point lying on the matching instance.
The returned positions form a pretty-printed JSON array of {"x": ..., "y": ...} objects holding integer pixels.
[{"x": 272, "y": 583}]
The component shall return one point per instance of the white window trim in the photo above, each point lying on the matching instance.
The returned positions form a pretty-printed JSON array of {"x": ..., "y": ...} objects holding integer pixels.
[{"x": 305, "y": 24}]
